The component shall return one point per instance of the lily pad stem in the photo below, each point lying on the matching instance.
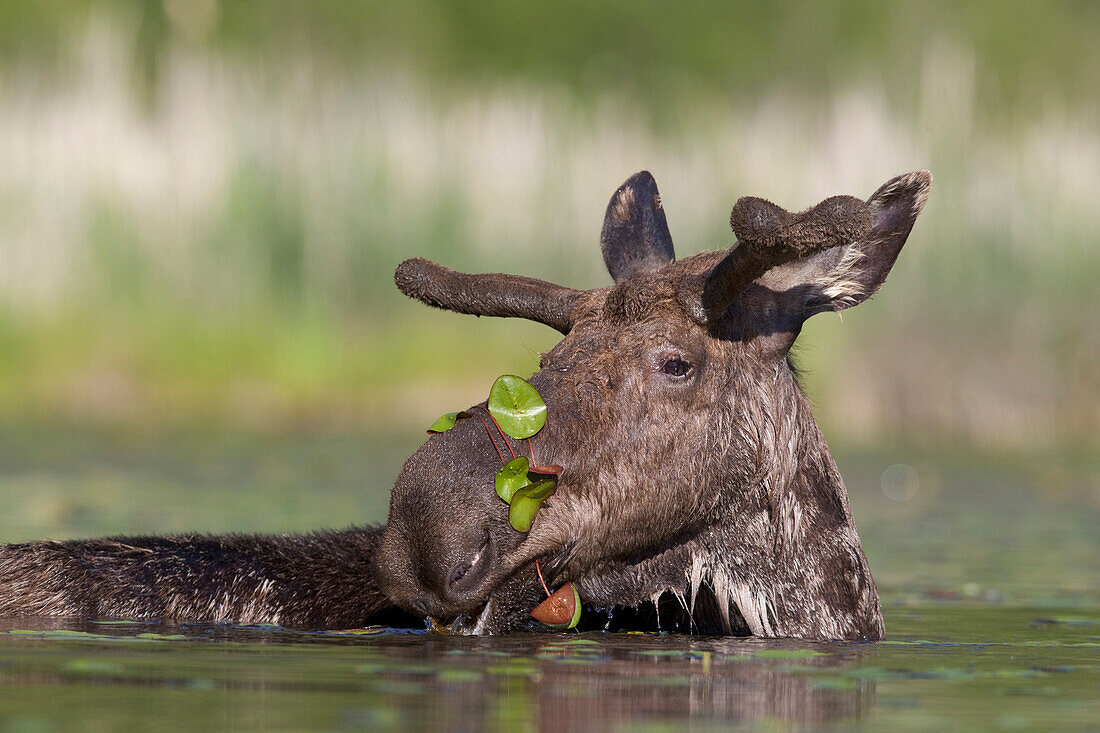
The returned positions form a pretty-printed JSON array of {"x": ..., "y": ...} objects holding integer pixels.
[
  {"x": 490, "y": 432},
  {"x": 502, "y": 436},
  {"x": 539, "y": 571}
]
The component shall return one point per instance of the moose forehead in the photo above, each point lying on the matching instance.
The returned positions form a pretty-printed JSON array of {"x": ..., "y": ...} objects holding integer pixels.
[
  {"x": 646, "y": 297},
  {"x": 643, "y": 297}
]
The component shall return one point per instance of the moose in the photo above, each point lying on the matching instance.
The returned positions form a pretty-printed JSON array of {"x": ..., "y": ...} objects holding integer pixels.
[{"x": 695, "y": 488}]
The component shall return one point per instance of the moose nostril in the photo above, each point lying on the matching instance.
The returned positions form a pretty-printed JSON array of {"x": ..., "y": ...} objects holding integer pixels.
[
  {"x": 422, "y": 606},
  {"x": 464, "y": 576},
  {"x": 458, "y": 572}
]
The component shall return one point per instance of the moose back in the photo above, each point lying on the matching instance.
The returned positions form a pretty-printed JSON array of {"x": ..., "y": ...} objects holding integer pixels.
[{"x": 695, "y": 489}]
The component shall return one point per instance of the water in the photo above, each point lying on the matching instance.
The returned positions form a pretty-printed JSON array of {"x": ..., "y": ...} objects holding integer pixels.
[
  {"x": 945, "y": 665},
  {"x": 989, "y": 569}
]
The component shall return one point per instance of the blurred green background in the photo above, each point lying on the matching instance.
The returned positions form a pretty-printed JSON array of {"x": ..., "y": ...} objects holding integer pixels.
[{"x": 202, "y": 203}]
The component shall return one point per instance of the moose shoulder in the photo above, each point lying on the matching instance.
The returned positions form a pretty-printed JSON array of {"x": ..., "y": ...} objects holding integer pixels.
[{"x": 695, "y": 483}]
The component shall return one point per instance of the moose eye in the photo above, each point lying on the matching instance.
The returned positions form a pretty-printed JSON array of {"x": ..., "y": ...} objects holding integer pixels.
[{"x": 677, "y": 368}]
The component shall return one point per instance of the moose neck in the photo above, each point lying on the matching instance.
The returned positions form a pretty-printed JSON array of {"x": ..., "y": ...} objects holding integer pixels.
[
  {"x": 787, "y": 557},
  {"x": 780, "y": 558}
]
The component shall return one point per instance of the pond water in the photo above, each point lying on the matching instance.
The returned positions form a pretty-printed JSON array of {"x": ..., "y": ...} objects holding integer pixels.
[
  {"x": 944, "y": 666},
  {"x": 989, "y": 569}
]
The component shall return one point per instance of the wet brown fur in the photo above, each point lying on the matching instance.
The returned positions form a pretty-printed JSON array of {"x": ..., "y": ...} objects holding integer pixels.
[{"x": 717, "y": 490}]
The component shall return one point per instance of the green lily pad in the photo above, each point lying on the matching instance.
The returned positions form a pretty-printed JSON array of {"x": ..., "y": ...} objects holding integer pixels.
[
  {"x": 516, "y": 406},
  {"x": 446, "y": 422},
  {"x": 786, "y": 653},
  {"x": 92, "y": 666},
  {"x": 512, "y": 478},
  {"x": 526, "y": 502},
  {"x": 153, "y": 635},
  {"x": 460, "y": 675}
]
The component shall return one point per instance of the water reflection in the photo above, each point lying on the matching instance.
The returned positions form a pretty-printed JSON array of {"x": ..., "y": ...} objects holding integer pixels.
[
  {"x": 524, "y": 681},
  {"x": 945, "y": 665},
  {"x": 613, "y": 681}
]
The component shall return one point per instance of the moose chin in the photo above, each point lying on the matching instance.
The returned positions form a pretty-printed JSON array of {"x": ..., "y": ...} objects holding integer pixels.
[{"x": 695, "y": 489}]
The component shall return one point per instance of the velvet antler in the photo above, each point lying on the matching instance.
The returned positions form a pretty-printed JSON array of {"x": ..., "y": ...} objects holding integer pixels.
[
  {"x": 768, "y": 235},
  {"x": 505, "y": 296}
]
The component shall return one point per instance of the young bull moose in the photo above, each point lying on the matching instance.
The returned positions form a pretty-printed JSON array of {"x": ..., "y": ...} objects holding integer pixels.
[{"x": 695, "y": 481}]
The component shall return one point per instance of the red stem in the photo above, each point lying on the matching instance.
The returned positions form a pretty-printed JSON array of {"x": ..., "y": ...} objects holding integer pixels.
[
  {"x": 531, "y": 447},
  {"x": 490, "y": 432},
  {"x": 502, "y": 436},
  {"x": 539, "y": 571}
]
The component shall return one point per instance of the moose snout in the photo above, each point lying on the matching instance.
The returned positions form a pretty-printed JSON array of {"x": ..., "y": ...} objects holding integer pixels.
[
  {"x": 466, "y": 576},
  {"x": 438, "y": 576},
  {"x": 448, "y": 541}
]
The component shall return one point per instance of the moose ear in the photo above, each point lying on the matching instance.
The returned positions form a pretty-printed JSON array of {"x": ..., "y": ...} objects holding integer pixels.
[
  {"x": 635, "y": 235},
  {"x": 841, "y": 277}
]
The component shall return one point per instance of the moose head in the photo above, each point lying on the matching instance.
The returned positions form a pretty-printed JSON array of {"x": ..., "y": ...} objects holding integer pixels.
[{"x": 694, "y": 476}]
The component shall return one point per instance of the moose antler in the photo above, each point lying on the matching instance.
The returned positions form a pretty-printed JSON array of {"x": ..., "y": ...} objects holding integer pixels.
[
  {"x": 505, "y": 296},
  {"x": 768, "y": 235}
]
